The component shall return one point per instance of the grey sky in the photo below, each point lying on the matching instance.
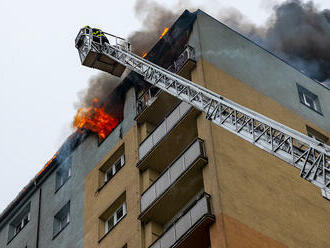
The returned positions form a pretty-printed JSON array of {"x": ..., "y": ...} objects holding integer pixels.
[{"x": 40, "y": 73}]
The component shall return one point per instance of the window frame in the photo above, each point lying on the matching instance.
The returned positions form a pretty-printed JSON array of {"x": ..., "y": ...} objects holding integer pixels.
[
  {"x": 19, "y": 222},
  {"x": 116, "y": 220},
  {"x": 309, "y": 99},
  {"x": 66, "y": 217},
  {"x": 113, "y": 168},
  {"x": 66, "y": 168}
]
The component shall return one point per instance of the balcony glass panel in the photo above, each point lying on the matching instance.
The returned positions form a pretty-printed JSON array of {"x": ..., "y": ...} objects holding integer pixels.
[
  {"x": 183, "y": 224},
  {"x": 163, "y": 129},
  {"x": 172, "y": 173}
]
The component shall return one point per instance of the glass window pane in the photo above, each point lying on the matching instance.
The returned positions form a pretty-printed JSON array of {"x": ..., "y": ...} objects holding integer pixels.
[
  {"x": 118, "y": 165},
  {"x": 120, "y": 213},
  {"x": 111, "y": 222}
]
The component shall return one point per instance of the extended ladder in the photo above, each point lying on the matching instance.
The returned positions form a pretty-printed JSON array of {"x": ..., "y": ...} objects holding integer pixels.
[{"x": 310, "y": 156}]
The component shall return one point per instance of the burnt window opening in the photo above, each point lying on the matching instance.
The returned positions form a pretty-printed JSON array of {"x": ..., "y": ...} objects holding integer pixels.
[
  {"x": 309, "y": 99},
  {"x": 317, "y": 135},
  {"x": 61, "y": 219},
  {"x": 63, "y": 174},
  {"x": 20, "y": 221}
]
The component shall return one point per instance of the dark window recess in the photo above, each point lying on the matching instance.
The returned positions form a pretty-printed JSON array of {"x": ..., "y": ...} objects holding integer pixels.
[
  {"x": 114, "y": 168},
  {"x": 316, "y": 135},
  {"x": 309, "y": 99},
  {"x": 20, "y": 221},
  {"x": 63, "y": 174},
  {"x": 61, "y": 219}
]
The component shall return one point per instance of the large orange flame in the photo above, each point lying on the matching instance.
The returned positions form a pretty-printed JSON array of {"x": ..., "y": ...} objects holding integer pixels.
[{"x": 95, "y": 119}]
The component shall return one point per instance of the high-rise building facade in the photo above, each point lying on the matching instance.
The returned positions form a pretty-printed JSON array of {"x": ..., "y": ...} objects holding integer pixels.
[{"x": 168, "y": 177}]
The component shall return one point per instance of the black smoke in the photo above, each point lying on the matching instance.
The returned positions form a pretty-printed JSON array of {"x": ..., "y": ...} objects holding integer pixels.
[
  {"x": 301, "y": 32},
  {"x": 99, "y": 86},
  {"x": 154, "y": 17},
  {"x": 297, "y": 31}
]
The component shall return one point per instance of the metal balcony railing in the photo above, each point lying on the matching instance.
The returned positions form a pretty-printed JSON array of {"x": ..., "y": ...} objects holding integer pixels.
[
  {"x": 172, "y": 173},
  {"x": 163, "y": 129},
  {"x": 185, "y": 223},
  {"x": 147, "y": 98},
  {"x": 188, "y": 54}
]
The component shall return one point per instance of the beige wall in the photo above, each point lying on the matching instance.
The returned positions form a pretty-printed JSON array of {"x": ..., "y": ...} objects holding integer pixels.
[
  {"x": 126, "y": 180},
  {"x": 259, "y": 200}
]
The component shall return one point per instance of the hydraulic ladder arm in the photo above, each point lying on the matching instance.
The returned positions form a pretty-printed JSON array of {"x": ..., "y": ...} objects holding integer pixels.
[{"x": 310, "y": 156}]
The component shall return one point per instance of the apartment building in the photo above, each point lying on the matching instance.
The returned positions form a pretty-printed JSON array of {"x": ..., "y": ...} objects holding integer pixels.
[
  {"x": 168, "y": 177},
  {"x": 49, "y": 211},
  {"x": 177, "y": 180}
]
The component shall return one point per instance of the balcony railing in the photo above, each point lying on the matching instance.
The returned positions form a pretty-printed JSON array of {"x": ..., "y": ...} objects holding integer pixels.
[
  {"x": 163, "y": 129},
  {"x": 147, "y": 98},
  {"x": 184, "y": 224},
  {"x": 172, "y": 173},
  {"x": 188, "y": 54}
]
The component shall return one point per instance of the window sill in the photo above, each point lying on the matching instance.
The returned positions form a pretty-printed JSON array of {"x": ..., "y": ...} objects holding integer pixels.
[
  {"x": 17, "y": 233},
  {"x": 60, "y": 231},
  {"x": 111, "y": 229}
]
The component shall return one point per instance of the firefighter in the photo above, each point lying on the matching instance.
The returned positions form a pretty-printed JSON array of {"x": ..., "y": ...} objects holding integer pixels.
[{"x": 98, "y": 35}]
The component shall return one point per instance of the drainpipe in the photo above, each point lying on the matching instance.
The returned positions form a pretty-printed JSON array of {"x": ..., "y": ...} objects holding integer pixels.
[{"x": 39, "y": 210}]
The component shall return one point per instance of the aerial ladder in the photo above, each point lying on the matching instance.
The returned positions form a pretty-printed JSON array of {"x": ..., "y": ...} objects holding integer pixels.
[{"x": 310, "y": 156}]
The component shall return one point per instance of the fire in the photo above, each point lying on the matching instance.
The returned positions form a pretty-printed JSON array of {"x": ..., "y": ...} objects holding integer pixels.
[
  {"x": 164, "y": 32},
  {"x": 144, "y": 55},
  {"x": 95, "y": 119},
  {"x": 47, "y": 164}
]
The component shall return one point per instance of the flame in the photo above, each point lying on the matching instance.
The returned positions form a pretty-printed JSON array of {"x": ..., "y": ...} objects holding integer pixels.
[
  {"x": 95, "y": 119},
  {"x": 144, "y": 55},
  {"x": 47, "y": 164},
  {"x": 164, "y": 32}
]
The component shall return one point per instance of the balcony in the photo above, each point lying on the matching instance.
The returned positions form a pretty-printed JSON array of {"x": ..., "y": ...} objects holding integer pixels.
[
  {"x": 190, "y": 229},
  {"x": 177, "y": 130},
  {"x": 193, "y": 157},
  {"x": 153, "y": 105},
  {"x": 185, "y": 63}
]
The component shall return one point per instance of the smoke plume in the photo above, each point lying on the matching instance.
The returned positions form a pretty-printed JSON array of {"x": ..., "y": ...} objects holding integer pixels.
[
  {"x": 301, "y": 32},
  {"x": 296, "y": 31},
  {"x": 99, "y": 87},
  {"x": 154, "y": 18}
]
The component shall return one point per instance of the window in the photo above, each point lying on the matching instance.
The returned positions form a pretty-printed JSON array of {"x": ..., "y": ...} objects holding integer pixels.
[
  {"x": 316, "y": 135},
  {"x": 19, "y": 222},
  {"x": 111, "y": 216},
  {"x": 63, "y": 174},
  {"x": 114, "y": 168},
  {"x": 309, "y": 99},
  {"x": 61, "y": 219},
  {"x": 117, "y": 216}
]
